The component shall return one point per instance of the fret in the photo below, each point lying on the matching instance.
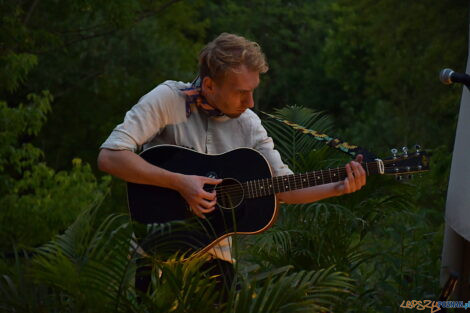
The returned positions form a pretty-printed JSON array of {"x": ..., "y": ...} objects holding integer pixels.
[
  {"x": 250, "y": 190},
  {"x": 292, "y": 179},
  {"x": 280, "y": 184},
  {"x": 322, "y": 177},
  {"x": 341, "y": 172},
  {"x": 271, "y": 185},
  {"x": 301, "y": 181},
  {"x": 286, "y": 183},
  {"x": 317, "y": 178},
  {"x": 314, "y": 179},
  {"x": 336, "y": 175},
  {"x": 261, "y": 187},
  {"x": 276, "y": 185},
  {"x": 329, "y": 173}
]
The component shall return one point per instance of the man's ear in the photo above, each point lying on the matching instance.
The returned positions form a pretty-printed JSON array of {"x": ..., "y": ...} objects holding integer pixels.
[{"x": 208, "y": 84}]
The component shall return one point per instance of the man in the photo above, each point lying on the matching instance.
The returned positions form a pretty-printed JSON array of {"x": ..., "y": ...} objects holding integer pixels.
[{"x": 212, "y": 115}]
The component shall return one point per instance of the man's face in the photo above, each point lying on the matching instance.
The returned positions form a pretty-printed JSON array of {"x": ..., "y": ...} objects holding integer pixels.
[{"x": 233, "y": 94}]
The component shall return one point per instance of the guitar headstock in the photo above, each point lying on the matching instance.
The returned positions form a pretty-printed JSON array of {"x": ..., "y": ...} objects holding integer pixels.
[{"x": 404, "y": 165}]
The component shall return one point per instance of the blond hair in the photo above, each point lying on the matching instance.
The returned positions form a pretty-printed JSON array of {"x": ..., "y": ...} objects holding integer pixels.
[{"x": 229, "y": 52}]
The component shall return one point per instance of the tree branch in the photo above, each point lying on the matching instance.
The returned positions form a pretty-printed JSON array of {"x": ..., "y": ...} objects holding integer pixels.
[{"x": 30, "y": 12}]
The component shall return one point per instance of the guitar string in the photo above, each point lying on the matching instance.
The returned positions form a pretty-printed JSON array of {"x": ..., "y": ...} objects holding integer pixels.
[
  {"x": 373, "y": 165},
  {"x": 297, "y": 182},
  {"x": 297, "y": 179},
  {"x": 238, "y": 190}
]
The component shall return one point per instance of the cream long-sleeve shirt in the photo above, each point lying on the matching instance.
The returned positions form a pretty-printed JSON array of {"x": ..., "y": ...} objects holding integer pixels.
[{"x": 160, "y": 118}]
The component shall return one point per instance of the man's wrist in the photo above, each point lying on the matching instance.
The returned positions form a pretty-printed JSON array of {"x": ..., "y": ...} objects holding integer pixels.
[
  {"x": 338, "y": 189},
  {"x": 174, "y": 180}
]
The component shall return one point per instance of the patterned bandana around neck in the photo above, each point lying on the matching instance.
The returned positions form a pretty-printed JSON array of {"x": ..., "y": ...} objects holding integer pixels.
[{"x": 194, "y": 96}]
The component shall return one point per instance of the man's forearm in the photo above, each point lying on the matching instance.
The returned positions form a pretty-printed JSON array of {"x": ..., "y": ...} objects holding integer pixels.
[
  {"x": 132, "y": 168},
  {"x": 310, "y": 194}
]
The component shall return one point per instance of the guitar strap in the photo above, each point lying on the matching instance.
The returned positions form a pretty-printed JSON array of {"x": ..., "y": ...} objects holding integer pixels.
[{"x": 339, "y": 144}]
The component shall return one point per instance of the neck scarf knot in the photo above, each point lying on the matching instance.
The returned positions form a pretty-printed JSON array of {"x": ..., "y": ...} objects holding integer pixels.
[{"x": 194, "y": 96}]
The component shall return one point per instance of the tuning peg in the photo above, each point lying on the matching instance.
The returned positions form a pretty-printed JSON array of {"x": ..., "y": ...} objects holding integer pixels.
[
  {"x": 405, "y": 152},
  {"x": 418, "y": 149},
  {"x": 394, "y": 152}
]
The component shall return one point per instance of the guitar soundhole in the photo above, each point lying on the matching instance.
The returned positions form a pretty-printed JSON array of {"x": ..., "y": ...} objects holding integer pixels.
[{"x": 229, "y": 193}]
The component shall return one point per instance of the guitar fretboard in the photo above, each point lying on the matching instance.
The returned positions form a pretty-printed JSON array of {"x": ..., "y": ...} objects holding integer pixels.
[{"x": 269, "y": 186}]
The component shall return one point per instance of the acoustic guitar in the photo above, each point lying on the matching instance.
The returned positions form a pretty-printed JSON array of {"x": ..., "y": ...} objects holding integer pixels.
[{"x": 246, "y": 198}]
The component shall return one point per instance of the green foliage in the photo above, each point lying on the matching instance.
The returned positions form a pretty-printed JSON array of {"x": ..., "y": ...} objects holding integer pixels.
[
  {"x": 387, "y": 56},
  {"x": 88, "y": 264},
  {"x": 303, "y": 291},
  {"x": 31, "y": 192},
  {"x": 382, "y": 235},
  {"x": 292, "y": 144},
  {"x": 369, "y": 66},
  {"x": 15, "y": 68},
  {"x": 292, "y": 34},
  {"x": 91, "y": 268}
]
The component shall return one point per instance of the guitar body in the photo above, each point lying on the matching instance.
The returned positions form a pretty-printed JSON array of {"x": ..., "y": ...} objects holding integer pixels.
[{"x": 234, "y": 215}]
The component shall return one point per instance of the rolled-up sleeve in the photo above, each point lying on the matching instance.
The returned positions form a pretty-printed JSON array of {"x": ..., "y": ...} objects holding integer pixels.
[
  {"x": 144, "y": 120},
  {"x": 265, "y": 145}
]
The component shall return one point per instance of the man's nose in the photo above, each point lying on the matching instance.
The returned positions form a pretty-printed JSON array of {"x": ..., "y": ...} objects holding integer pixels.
[{"x": 250, "y": 102}]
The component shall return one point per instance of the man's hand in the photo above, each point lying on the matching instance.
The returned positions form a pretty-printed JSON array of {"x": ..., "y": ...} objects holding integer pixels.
[
  {"x": 356, "y": 177},
  {"x": 191, "y": 189}
]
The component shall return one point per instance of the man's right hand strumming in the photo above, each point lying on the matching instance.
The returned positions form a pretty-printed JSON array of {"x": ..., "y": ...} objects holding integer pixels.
[
  {"x": 191, "y": 188},
  {"x": 132, "y": 168}
]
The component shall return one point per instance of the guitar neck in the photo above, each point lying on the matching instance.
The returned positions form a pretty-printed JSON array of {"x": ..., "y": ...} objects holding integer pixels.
[{"x": 268, "y": 186}]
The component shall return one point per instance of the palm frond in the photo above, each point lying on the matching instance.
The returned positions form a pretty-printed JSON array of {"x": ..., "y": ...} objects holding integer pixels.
[
  {"x": 180, "y": 286},
  {"x": 291, "y": 143},
  {"x": 18, "y": 293},
  {"x": 303, "y": 291}
]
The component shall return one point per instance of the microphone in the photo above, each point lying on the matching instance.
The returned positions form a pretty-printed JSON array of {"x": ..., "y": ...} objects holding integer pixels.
[{"x": 448, "y": 76}]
